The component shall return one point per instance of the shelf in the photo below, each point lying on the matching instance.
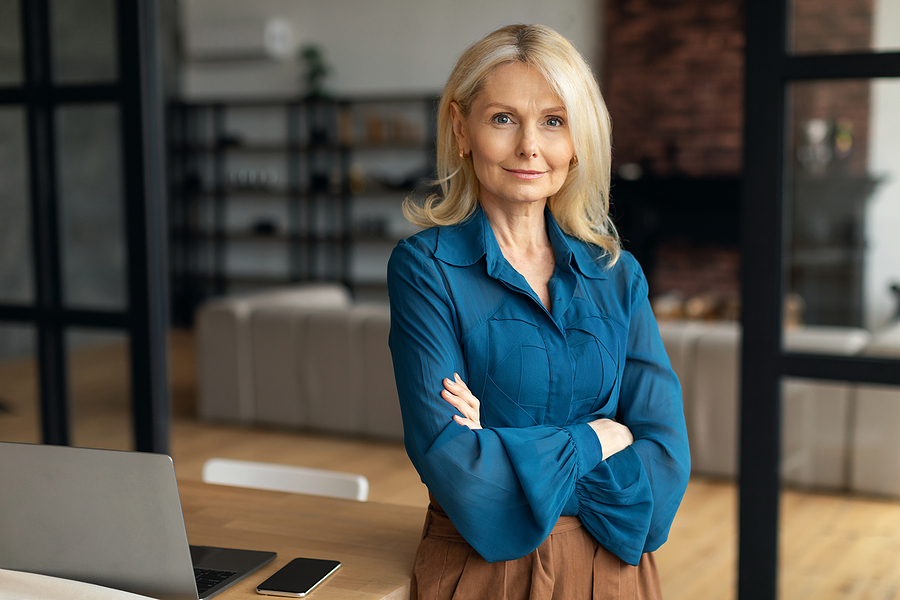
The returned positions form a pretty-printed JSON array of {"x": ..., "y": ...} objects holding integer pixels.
[
  {"x": 248, "y": 148},
  {"x": 824, "y": 257},
  {"x": 276, "y": 148},
  {"x": 373, "y": 146},
  {"x": 249, "y": 236},
  {"x": 282, "y": 237},
  {"x": 250, "y": 193},
  {"x": 341, "y": 166}
]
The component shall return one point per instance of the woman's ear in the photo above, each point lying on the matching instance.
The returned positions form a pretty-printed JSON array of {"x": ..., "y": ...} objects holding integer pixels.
[{"x": 459, "y": 127}]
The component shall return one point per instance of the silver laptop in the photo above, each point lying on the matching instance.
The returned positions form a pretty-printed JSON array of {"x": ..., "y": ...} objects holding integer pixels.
[{"x": 110, "y": 518}]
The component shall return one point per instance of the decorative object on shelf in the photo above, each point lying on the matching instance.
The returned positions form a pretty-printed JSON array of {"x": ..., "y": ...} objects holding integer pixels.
[
  {"x": 316, "y": 72},
  {"x": 245, "y": 178},
  {"x": 824, "y": 142},
  {"x": 708, "y": 306}
]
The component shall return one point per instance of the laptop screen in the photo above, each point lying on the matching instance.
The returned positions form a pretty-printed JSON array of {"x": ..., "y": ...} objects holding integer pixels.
[{"x": 100, "y": 516}]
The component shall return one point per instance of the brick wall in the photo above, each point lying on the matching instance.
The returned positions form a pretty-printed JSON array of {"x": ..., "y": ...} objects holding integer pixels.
[
  {"x": 831, "y": 25},
  {"x": 673, "y": 81}
]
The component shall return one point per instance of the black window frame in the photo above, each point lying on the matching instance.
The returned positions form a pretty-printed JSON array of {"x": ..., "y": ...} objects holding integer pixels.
[
  {"x": 137, "y": 92},
  {"x": 770, "y": 69}
]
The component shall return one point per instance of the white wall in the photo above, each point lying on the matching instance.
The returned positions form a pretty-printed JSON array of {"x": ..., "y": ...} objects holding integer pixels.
[
  {"x": 882, "y": 265},
  {"x": 374, "y": 47}
]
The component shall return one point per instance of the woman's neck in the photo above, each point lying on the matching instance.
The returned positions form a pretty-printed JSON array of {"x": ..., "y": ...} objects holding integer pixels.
[
  {"x": 522, "y": 236},
  {"x": 519, "y": 228}
]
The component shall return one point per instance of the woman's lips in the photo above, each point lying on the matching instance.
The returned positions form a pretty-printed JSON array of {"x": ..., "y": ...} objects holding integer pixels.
[{"x": 523, "y": 174}]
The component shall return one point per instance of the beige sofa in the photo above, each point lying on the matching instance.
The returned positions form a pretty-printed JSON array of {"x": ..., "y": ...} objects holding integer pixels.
[
  {"x": 875, "y": 462},
  {"x": 305, "y": 357},
  {"x": 835, "y": 435}
]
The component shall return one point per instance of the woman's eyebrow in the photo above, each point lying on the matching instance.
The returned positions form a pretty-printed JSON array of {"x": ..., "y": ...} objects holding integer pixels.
[
  {"x": 501, "y": 106},
  {"x": 508, "y": 108}
]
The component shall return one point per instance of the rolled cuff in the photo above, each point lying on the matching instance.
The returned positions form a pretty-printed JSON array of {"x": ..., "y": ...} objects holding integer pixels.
[{"x": 588, "y": 451}]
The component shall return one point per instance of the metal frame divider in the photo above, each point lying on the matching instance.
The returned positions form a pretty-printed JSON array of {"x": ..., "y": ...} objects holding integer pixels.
[
  {"x": 44, "y": 224},
  {"x": 138, "y": 95},
  {"x": 769, "y": 69},
  {"x": 143, "y": 119}
]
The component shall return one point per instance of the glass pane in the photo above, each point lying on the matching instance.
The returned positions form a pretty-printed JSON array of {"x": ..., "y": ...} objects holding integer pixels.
[
  {"x": 699, "y": 560},
  {"x": 15, "y": 224},
  {"x": 10, "y": 43},
  {"x": 92, "y": 236},
  {"x": 100, "y": 389},
  {"x": 843, "y": 215},
  {"x": 20, "y": 417},
  {"x": 840, "y": 26},
  {"x": 840, "y": 504},
  {"x": 815, "y": 440},
  {"x": 83, "y": 36}
]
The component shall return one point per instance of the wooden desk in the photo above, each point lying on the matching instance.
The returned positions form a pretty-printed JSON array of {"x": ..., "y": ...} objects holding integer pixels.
[{"x": 376, "y": 543}]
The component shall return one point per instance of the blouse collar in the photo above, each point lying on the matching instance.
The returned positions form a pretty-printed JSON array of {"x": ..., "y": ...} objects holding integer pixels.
[{"x": 464, "y": 244}]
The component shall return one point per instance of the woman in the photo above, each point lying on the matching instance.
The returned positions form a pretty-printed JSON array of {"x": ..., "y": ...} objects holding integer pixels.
[{"x": 539, "y": 406}]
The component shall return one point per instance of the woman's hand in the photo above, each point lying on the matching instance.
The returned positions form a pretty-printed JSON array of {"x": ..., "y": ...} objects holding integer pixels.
[
  {"x": 458, "y": 395},
  {"x": 613, "y": 436}
]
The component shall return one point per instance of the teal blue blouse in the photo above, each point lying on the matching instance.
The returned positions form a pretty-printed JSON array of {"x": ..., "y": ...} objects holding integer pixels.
[{"x": 458, "y": 306}]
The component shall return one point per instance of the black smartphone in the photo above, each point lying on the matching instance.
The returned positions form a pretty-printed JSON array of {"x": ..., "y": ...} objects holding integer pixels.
[{"x": 297, "y": 578}]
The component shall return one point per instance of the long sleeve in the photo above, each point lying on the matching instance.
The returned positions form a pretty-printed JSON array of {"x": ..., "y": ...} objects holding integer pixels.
[
  {"x": 541, "y": 375},
  {"x": 629, "y": 501},
  {"x": 505, "y": 487}
]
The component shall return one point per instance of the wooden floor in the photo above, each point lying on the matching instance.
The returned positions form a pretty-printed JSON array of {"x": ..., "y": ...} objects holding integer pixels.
[{"x": 832, "y": 546}]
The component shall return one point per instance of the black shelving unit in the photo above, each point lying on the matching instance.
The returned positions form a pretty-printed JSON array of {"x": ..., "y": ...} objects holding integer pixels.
[{"x": 300, "y": 167}]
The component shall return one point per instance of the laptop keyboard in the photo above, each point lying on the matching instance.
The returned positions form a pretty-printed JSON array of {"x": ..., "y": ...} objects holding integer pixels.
[{"x": 207, "y": 578}]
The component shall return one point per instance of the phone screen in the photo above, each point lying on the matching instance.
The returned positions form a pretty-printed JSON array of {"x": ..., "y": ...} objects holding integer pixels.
[{"x": 298, "y": 577}]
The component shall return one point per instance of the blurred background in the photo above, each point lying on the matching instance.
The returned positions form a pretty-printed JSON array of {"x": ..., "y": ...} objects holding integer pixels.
[{"x": 168, "y": 166}]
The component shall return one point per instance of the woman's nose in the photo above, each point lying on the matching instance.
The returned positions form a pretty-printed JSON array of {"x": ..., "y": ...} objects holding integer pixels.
[{"x": 528, "y": 147}]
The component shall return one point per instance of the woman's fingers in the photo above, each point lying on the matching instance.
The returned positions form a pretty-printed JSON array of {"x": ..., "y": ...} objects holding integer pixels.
[
  {"x": 467, "y": 422},
  {"x": 461, "y": 403},
  {"x": 457, "y": 402},
  {"x": 458, "y": 388},
  {"x": 457, "y": 393},
  {"x": 458, "y": 380},
  {"x": 456, "y": 384}
]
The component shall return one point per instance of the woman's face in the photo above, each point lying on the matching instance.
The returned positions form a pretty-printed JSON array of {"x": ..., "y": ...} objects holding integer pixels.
[{"x": 518, "y": 134}]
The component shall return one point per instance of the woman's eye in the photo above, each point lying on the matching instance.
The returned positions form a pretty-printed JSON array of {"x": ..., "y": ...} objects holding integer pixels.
[
  {"x": 554, "y": 122},
  {"x": 502, "y": 119}
]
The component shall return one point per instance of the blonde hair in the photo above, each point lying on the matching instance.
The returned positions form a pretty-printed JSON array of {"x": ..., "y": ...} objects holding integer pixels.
[{"x": 581, "y": 206}]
